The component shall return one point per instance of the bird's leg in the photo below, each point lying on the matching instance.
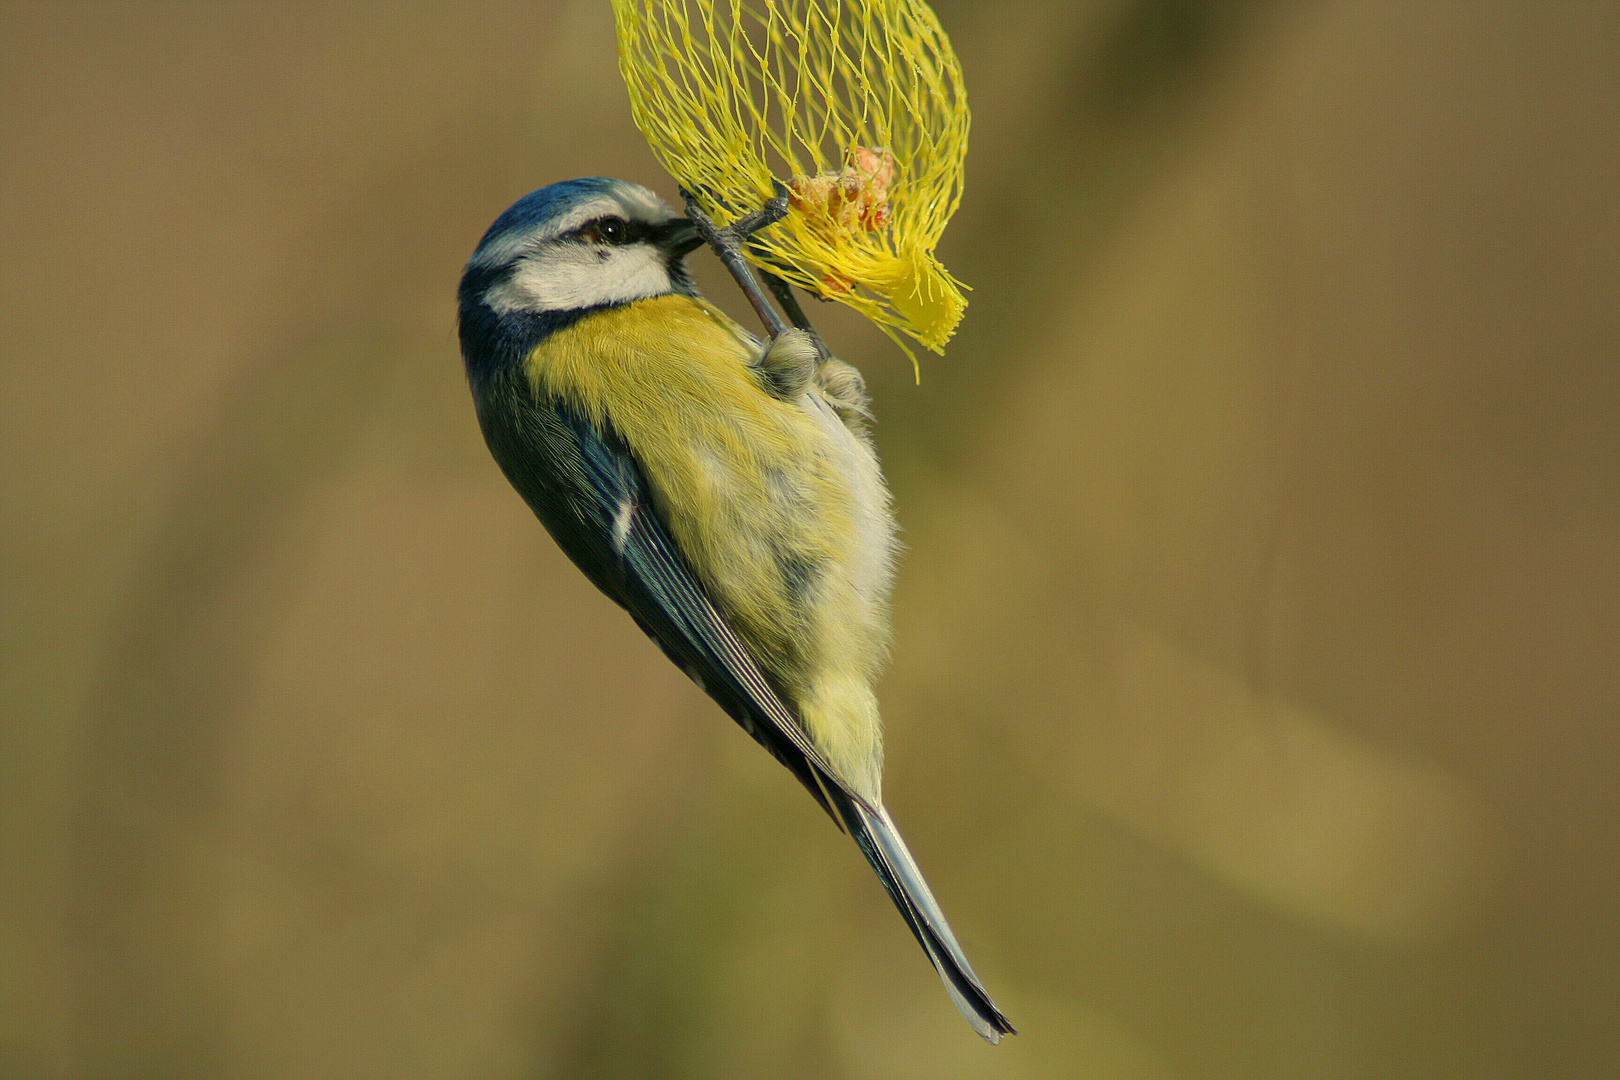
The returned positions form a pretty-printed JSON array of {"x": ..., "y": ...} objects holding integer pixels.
[
  {"x": 790, "y": 304},
  {"x": 728, "y": 244},
  {"x": 841, "y": 382}
]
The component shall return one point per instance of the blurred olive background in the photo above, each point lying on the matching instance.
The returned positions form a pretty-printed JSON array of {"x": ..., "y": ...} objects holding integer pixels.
[{"x": 1253, "y": 710}]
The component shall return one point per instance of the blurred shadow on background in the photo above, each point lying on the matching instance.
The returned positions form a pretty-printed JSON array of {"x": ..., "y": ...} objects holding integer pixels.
[
  {"x": 1154, "y": 53},
  {"x": 1257, "y": 790},
  {"x": 1053, "y": 181},
  {"x": 152, "y": 748}
]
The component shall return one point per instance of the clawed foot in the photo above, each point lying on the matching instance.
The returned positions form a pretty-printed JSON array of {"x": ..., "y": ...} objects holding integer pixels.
[
  {"x": 728, "y": 245},
  {"x": 795, "y": 356},
  {"x": 731, "y": 237}
]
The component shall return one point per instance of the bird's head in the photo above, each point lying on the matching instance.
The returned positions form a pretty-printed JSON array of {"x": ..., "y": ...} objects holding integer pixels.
[{"x": 578, "y": 245}]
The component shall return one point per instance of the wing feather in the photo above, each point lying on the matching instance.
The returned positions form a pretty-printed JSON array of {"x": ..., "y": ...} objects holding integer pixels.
[{"x": 588, "y": 490}]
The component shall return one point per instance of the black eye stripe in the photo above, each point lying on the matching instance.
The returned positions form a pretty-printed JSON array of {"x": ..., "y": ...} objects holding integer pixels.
[{"x": 613, "y": 230}]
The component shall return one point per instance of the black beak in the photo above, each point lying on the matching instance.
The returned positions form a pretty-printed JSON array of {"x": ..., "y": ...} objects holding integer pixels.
[{"x": 679, "y": 236}]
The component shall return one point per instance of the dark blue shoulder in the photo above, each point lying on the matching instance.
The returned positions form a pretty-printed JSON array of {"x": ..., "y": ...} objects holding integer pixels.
[{"x": 493, "y": 343}]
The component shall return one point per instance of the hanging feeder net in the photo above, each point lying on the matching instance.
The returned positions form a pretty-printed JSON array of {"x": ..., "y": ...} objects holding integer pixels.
[{"x": 857, "y": 106}]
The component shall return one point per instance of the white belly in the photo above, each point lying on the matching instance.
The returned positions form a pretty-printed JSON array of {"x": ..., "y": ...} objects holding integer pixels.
[{"x": 870, "y": 565}]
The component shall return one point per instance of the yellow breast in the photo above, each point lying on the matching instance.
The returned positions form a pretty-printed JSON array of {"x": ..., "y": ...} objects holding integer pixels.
[{"x": 741, "y": 478}]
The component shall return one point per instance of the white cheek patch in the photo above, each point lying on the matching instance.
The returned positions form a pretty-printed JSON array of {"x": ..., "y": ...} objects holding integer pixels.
[
  {"x": 569, "y": 276},
  {"x": 871, "y": 564}
]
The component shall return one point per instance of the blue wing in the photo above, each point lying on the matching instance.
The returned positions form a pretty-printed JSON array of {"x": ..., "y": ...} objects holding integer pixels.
[{"x": 588, "y": 491}]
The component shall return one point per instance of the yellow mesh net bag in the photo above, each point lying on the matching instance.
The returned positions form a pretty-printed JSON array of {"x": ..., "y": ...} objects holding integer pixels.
[{"x": 856, "y": 105}]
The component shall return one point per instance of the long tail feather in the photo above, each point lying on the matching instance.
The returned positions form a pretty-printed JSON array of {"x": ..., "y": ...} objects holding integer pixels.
[{"x": 880, "y": 842}]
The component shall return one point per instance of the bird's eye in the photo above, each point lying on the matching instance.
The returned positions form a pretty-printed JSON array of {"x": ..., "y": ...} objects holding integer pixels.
[{"x": 608, "y": 230}]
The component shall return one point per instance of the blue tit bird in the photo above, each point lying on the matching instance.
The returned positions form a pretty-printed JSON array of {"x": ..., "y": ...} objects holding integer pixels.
[{"x": 720, "y": 488}]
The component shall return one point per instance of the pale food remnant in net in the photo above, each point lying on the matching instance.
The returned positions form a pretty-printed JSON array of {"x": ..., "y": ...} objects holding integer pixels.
[
  {"x": 853, "y": 199},
  {"x": 861, "y": 100}
]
